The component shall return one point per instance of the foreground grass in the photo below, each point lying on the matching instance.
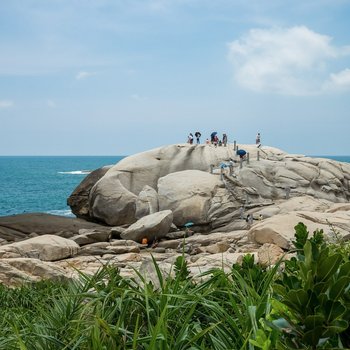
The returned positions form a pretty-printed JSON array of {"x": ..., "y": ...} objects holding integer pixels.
[{"x": 303, "y": 306}]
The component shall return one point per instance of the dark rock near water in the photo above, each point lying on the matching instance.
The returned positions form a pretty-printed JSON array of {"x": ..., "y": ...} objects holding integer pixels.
[
  {"x": 79, "y": 199},
  {"x": 19, "y": 227}
]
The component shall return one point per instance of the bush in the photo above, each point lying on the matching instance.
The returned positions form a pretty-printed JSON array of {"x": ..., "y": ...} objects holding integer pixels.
[
  {"x": 303, "y": 303},
  {"x": 313, "y": 292}
]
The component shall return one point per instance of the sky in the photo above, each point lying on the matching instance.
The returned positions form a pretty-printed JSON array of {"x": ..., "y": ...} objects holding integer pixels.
[{"x": 117, "y": 77}]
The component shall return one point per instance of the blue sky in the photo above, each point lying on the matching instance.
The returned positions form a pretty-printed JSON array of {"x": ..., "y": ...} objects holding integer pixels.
[{"x": 115, "y": 77}]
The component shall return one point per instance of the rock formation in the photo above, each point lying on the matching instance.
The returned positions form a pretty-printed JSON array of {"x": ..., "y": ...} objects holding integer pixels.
[
  {"x": 78, "y": 200},
  {"x": 21, "y": 226},
  {"x": 179, "y": 178},
  {"x": 151, "y": 227},
  {"x": 46, "y": 248},
  {"x": 206, "y": 191}
]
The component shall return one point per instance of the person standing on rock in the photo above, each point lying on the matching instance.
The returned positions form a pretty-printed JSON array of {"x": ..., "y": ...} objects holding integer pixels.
[
  {"x": 224, "y": 139},
  {"x": 216, "y": 140},
  {"x": 190, "y": 138},
  {"x": 198, "y": 136},
  {"x": 258, "y": 139}
]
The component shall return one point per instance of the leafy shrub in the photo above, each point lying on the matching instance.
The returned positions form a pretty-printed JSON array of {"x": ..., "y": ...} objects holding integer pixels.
[
  {"x": 314, "y": 290},
  {"x": 303, "y": 303}
]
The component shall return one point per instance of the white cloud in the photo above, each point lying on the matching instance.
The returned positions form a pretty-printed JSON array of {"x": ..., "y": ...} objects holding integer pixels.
[
  {"x": 292, "y": 61},
  {"x": 6, "y": 104},
  {"x": 84, "y": 75},
  {"x": 339, "y": 80}
]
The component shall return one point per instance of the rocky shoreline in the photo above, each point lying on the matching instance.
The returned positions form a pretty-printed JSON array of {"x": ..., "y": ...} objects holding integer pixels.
[{"x": 181, "y": 199}]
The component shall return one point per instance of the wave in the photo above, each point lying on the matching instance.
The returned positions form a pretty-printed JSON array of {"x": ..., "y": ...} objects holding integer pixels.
[
  {"x": 63, "y": 212},
  {"x": 76, "y": 172}
]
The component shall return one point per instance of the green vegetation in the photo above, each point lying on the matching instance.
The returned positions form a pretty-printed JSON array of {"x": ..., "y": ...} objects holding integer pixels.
[{"x": 303, "y": 303}]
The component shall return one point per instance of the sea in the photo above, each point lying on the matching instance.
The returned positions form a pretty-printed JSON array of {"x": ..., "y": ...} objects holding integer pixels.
[{"x": 43, "y": 183}]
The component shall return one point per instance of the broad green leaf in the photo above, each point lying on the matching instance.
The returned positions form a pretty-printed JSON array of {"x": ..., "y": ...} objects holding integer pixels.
[
  {"x": 344, "y": 270},
  {"x": 333, "y": 310},
  {"x": 313, "y": 336},
  {"x": 314, "y": 321},
  {"x": 336, "y": 327},
  {"x": 320, "y": 287},
  {"x": 280, "y": 290},
  {"x": 327, "y": 267},
  {"x": 323, "y": 298},
  {"x": 339, "y": 287},
  {"x": 297, "y": 299},
  {"x": 313, "y": 301}
]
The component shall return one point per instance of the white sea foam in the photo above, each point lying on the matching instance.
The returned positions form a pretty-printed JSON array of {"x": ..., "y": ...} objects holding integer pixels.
[
  {"x": 63, "y": 212},
  {"x": 76, "y": 172}
]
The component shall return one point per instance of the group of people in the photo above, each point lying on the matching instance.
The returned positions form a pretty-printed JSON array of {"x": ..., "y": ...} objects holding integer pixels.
[
  {"x": 190, "y": 138},
  {"x": 214, "y": 139}
]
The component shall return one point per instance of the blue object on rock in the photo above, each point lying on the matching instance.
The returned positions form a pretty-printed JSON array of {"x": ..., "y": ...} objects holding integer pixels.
[
  {"x": 241, "y": 152},
  {"x": 189, "y": 224}
]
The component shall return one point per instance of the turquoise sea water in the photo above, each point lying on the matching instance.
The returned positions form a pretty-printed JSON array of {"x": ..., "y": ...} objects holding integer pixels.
[{"x": 42, "y": 184}]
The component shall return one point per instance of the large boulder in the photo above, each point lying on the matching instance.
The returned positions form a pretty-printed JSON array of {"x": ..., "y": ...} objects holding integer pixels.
[
  {"x": 113, "y": 198},
  {"x": 15, "y": 272},
  {"x": 46, "y": 247},
  {"x": 112, "y": 202},
  {"x": 279, "y": 229},
  {"x": 118, "y": 197},
  {"x": 152, "y": 227},
  {"x": 191, "y": 196},
  {"x": 78, "y": 200}
]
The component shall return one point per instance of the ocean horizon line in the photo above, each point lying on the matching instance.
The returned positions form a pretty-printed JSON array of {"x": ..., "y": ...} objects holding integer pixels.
[
  {"x": 63, "y": 155},
  {"x": 123, "y": 155}
]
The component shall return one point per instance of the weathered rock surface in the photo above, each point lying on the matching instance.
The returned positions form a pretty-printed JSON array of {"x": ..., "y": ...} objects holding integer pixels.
[
  {"x": 78, "y": 200},
  {"x": 45, "y": 247},
  {"x": 152, "y": 227},
  {"x": 279, "y": 229},
  {"x": 147, "y": 202},
  {"x": 18, "y": 227},
  {"x": 119, "y": 197},
  {"x": 142, "y": 195},
  {"x": 113, "y": 198},
  {"x": 269, "y": 254},
  {"x": 14, "y": 272},
  {"x": 192, "y": 195},
  {"x": 88, "y": 236}
]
